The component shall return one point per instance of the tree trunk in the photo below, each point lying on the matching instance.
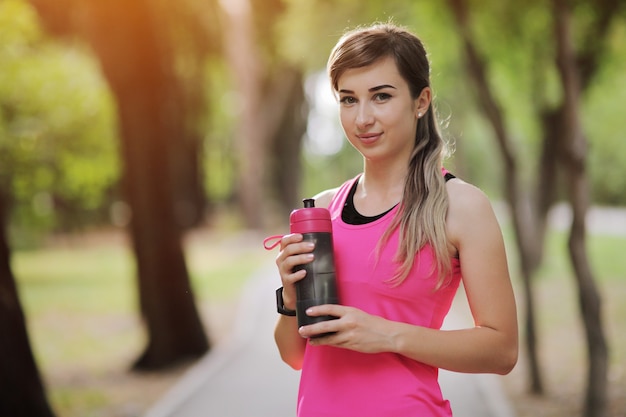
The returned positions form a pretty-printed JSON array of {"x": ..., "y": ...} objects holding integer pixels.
[
  {"x": 21, "y": 390},
  {"x": 527, "y": 221},
  {"x": 574, "y": 149},
  {"x": 148, "y": 95},
  {"x": 188, "y": 31}
]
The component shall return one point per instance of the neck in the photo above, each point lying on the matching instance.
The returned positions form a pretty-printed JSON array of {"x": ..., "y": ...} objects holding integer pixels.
[
  {"x": 385, "y": 172},
  {"x": 383, "y": 182}
]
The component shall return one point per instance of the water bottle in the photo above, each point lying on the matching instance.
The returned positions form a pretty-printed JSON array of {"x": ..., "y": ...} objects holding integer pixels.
[{"x": 319, "y": 286}]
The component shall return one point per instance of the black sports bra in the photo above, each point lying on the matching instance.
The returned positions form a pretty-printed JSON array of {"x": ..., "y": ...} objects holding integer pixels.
[{"x": 349, "y": 214}]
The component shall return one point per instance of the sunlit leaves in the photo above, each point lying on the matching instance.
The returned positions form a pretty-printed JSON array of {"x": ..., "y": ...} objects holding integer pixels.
[
  {"x": 18, "y": 28},
  {"x": 57, "y": 125}
]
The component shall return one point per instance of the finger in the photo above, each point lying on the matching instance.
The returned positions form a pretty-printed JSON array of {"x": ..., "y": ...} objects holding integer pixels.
[
  {"x": 325, "y": 328},
  {"x": 335, "y": 310},
  {"x": 297, "y": 248},
  {"x": 290, "y": 279},
  {"x": 288, "y": 265},
  {"x": 293, "y": 255},
  {"x": 290, "y": 239},
  {"x": 323, "y": 339}
]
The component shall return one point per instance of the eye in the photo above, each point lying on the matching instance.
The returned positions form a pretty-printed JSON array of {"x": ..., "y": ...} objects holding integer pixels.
[
  {"x": 382, "y": 97},
  {"x": 347, "y": 100}
]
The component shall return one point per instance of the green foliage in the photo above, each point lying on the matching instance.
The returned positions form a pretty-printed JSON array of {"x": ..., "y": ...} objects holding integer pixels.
[
  {"x": 57, "y": 127},
  {"x": 219, "y": 178},
  {"x": 518, "y": 43},
  {"x": 58, "y": 155}
]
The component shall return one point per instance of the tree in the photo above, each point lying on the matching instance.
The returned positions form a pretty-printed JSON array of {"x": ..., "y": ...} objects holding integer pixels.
[
  {"x": 573, "y": 146},
  {"x": 563, "y": 150},
  {"x": 528, "y": 214},
  {"x": 272, "y": 119},
  {"x": 38, "y": 156},
  {"x": 141, "y": 71},
  {"x": 21, "y": 389}
]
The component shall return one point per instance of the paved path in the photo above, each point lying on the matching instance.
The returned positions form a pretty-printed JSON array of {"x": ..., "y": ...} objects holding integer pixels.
[{"x": 244, "y": 377}]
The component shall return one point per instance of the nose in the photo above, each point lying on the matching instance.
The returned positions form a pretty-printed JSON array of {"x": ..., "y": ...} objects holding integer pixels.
[{"x": 364, "y": 117}]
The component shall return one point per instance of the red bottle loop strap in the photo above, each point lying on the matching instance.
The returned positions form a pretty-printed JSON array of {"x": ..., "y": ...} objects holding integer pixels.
[{"x": 269, "y": 245}]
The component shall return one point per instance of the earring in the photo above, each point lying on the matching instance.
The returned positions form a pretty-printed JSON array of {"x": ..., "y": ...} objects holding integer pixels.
[{"x": 419, "y": 115}]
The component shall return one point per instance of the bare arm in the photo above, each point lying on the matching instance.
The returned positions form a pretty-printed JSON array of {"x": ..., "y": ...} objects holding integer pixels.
[{"x": 290, "y": 344}]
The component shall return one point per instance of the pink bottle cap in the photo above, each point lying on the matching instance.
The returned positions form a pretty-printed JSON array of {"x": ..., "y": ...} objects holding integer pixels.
[{"x": 310, "y": 219}]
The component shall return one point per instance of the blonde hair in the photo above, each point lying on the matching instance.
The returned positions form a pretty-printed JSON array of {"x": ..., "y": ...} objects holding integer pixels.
[{"x": 421, "y": 218}]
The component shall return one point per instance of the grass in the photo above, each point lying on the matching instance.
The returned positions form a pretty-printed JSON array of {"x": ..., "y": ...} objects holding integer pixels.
[
  {"x": 80, "y": 300},
  {"x": 76, "y": 280}
]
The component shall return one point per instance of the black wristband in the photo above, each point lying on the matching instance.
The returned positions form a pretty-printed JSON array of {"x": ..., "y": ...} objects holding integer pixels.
[{"x": 280, "y": 304}]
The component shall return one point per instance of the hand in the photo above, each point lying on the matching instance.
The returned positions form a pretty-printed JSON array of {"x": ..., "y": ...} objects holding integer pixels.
[
  {"x": 353, "y": 329},
  {"x": 293, "y": 252}
]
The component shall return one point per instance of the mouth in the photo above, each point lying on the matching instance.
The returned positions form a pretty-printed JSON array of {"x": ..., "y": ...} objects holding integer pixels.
[{"x": 368, "y": 138}]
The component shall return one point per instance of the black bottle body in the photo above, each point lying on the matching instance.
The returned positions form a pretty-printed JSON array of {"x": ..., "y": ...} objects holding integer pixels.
[{"x": 319, "y": 285}]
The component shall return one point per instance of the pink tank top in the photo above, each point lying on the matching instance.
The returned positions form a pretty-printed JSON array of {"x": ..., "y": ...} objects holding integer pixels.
[{"x": 338, "y": 382}]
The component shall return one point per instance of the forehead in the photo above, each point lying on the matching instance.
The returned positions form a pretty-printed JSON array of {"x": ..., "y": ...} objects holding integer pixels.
[{"x": 381, "y": 72}]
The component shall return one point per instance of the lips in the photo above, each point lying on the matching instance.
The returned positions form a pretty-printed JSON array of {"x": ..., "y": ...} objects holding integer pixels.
[{"x": 367, "y": 138}]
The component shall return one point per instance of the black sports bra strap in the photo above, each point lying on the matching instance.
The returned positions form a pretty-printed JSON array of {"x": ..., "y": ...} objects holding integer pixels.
[
  {"x": 448, "y": 176},
  {"x": 349, "y": 214}
]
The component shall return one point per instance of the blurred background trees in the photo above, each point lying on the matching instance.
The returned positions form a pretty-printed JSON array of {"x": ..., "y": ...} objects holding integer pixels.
[
  {"x": 574, "y": 57},
  {"x": 158, "y": 109},
  {"x": 164, "y": 116}
]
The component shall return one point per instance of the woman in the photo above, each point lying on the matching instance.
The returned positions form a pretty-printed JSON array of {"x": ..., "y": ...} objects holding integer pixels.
[{"x": 405, "y": 234}]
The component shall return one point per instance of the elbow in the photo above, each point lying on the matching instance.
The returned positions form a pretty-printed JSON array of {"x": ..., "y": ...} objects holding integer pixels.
[
  {"x": 505, "y": 352},
  {"x": 294, "y": 362},
  {"x": 292, "y": 355},
  {"x": 506, "y": 367},
  {"x": 508, "y": 360}
]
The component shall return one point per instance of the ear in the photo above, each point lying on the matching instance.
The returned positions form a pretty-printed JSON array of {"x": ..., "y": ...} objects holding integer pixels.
[{"x": 422, "y": 102}]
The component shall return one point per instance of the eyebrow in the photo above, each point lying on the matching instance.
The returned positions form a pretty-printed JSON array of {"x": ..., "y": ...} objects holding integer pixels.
[{"x": 371, "y": 90}]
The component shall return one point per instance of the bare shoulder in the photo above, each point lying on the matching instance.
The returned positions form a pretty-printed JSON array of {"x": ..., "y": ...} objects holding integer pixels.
[
  {"x": 323, "y": 198},
  {"x": 465, "y": 197},
  {"x": 470, "y": 212}
]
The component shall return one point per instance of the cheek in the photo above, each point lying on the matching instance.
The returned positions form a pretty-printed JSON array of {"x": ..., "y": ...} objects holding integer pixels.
[
  {"x": 346, "y": 119},
  {"x": 406, "y": 126}
]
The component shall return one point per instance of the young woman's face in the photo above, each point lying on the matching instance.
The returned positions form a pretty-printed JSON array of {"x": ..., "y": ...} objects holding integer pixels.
[{"x": 377, "y": 112}]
